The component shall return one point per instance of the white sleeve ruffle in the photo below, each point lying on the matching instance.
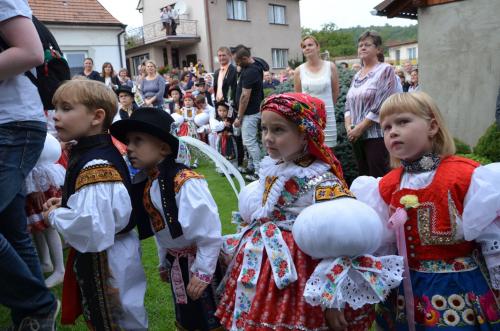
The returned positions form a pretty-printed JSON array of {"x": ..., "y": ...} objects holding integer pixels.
[
  {"x": 482, "y": 202},
  {"x": 366, "y": 189},
  {"x": 44, "y": 176},
  {"x": 481, "y": 216},
  {"x": 95, "y": 213},
  {"x": 362, "y": 280},
  {"x": 199, "y": 218}
]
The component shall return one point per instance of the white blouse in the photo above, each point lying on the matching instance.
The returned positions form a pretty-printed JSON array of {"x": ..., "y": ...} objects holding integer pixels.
[{"x": 199, "y": 219}]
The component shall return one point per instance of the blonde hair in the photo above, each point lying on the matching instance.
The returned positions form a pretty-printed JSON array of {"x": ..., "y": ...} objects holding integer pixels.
[
  {"x": 421, "y": 105},
  {"x": 150, "y": 61},
  {"x": 90, "y": 93},
  {"x": 309, "y": 37}
]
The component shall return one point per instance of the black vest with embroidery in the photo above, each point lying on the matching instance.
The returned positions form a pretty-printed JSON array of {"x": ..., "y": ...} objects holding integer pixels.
[
  {"x": 168, "y": 169},
  {"x": 91, "y": 148}
]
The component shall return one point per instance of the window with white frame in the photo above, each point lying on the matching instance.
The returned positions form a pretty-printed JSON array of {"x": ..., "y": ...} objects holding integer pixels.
[
  {"x": 136, "y": 61},
  {"x": 75, "y": 61},
  {"x": 237, "y": 10},
  {"x": 412, "y": 53},
  {"x": 276, "y": 14},
  {"x": 280, "y": 58}
]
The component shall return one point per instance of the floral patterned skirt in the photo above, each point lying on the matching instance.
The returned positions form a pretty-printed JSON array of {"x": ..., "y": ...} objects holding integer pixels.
[
  {"x": 451, "y": 300},
  {"x": 286, "y": 309}
]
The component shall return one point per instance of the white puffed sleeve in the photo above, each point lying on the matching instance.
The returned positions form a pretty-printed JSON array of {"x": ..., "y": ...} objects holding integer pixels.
[
  {"x": 95, "y": 213},
  {"x": 199, "y": 218},
  {"x": 366, "y": 189},
  {"x": 481, "y": 216}
]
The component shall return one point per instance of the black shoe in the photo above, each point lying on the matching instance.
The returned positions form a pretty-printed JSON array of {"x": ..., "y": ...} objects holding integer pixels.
[{"x": 41, "y": 323}]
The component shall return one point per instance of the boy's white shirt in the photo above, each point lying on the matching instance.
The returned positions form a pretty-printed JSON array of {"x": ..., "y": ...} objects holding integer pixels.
[
  {"x": 90, "y": 223},
  {"x": 199, "y": 219}
]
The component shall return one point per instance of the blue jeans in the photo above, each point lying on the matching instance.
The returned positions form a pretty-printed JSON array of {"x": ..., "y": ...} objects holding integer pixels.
[
  {"x": 249, "y": 135},
  {"x": 22, "y": 286}
]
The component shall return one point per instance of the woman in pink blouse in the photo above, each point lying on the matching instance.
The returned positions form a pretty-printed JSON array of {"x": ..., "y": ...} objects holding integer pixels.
[{"x": 374, "y": 83}]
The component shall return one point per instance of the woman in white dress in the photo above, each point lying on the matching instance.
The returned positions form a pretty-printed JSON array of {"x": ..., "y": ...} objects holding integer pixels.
[{"x": 319, "y": 79}]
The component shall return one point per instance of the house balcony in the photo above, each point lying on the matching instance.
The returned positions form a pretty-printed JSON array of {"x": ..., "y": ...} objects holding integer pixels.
[{"x": 154, "y": 34}]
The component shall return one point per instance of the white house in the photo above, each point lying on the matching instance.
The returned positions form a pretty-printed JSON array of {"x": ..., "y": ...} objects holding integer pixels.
[
  {"x": 83, "y": 28},
  {"x": 401, "y": 52}
]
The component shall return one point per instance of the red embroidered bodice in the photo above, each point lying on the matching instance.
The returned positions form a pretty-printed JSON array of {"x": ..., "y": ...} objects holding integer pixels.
[{"x": 431, "y": 230}]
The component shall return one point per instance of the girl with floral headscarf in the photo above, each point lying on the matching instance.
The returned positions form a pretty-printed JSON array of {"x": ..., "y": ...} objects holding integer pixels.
[{"x": 268, "y": 272}]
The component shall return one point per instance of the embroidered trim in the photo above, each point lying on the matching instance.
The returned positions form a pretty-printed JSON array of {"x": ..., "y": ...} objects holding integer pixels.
[
  {"x": 283, "y": 325},
  {"x": 183, "y": 176},
  {"x": 330, "y": 192},
  {"x": 427, "y": 223},
  {"x": 203, "y": 277},
  {"x": 458, "y": 264},
  {"x": 267, "y": 187},
  {"x": 100, "y": 173}
]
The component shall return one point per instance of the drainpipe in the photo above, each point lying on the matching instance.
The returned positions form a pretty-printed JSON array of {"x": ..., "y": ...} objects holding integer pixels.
[
  {"x": 209, "y": 32},
  {"x": 120, "y": 47}
]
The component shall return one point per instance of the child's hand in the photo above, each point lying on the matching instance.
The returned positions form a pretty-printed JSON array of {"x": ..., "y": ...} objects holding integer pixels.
[
  {"x": 196, "y": 287},
  {"x": 164, "y": 274},
  {"x": 52, "y": 202},
  {"x": 335, "y": 319}
]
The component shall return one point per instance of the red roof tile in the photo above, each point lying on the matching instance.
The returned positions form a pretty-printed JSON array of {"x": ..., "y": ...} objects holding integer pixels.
[{"x": 72, "y": 11}]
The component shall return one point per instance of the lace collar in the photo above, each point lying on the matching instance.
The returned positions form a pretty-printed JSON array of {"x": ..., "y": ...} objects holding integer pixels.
[{"x": 427, "y": 162}]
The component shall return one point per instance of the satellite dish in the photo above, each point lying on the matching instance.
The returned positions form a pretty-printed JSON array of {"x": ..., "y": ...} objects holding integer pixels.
[{"x": 181, "y": 7}]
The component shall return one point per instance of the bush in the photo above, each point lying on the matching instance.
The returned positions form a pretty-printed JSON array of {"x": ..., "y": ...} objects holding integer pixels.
[
  {"x": 343, "y": 150},
  {"x": 478, "y": 158},
  {"x": 488, "y": 145},
  {"x": 462, "y": 148}
]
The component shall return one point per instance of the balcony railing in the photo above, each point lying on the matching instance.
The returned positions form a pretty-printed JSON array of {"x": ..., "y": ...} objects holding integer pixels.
[{"x": 154, "y": 32}]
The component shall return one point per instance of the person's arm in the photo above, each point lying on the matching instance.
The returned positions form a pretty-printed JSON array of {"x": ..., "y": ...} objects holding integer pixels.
[
  {"x": 296, "y": 81},
  {"x": 335, "y": 82},
  {"x": 25, "y": 48},
  {"x": 160, "y": 83},
  {"x": 95, "y": 212},
  {"x": 242, "y": 106}
]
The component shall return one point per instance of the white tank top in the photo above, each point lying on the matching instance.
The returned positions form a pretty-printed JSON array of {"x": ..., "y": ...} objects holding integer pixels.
[{"x": 319, "y": 85}]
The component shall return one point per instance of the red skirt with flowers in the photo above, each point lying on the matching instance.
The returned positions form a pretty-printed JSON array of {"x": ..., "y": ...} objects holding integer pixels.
[{"x": 286, "y": 309}]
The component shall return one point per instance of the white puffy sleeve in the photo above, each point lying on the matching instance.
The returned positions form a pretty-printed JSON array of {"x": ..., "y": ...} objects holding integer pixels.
[
  {"x": 199, "y": 218},
  {"x": 366, "y": 189},
  {"x": 95, "y": 212},
  {"x": 481, "y": 216}
]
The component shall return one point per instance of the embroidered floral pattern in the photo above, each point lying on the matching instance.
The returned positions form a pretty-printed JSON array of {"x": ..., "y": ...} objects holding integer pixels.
[
  {"x": 444, "y": 266},
  {"x": 458, "y": 310}
]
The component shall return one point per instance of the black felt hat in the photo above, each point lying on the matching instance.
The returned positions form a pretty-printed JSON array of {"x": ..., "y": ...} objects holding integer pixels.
[
  {"x": 153, "y": 121},
  {"x": 125, "y": 89}
]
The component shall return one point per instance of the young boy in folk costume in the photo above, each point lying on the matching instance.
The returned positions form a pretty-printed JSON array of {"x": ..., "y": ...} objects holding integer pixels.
[
  {"x": 104, "y": 277},
  {"x": 179, "y": 210},
  {"x": 268, "y": 273},
  {"x": 226, "y": 144},
  {"x": 444, "y": 210}
]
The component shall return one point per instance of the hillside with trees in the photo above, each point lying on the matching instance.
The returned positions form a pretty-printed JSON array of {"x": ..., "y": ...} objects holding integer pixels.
[{"x": 342, "y": 42}]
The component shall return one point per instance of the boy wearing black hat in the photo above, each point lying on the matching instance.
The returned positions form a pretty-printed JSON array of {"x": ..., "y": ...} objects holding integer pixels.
[
  {"x": 179, "y": 211},
  {"x": 104, "y": 278},
  {"x": 126, "y": 98}
]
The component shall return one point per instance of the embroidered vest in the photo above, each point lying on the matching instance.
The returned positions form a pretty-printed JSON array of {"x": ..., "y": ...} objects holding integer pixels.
[
  {"x": 431, "y": 230},
  {"x": 171, "y": 177},
  {"x": 92, "y": 148}
]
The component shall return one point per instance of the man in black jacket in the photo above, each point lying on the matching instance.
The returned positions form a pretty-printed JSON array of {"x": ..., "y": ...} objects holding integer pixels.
[{"x": 225, "y": 77}]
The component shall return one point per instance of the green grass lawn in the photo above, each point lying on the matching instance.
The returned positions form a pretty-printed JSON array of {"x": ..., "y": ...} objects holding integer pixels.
[{"x": 158, "y": 299}]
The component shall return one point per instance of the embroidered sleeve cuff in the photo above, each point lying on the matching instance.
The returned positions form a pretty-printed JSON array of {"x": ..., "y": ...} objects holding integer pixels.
[
  {"x": 203, "y": 277},
  {"x": 495, "y": 277}
]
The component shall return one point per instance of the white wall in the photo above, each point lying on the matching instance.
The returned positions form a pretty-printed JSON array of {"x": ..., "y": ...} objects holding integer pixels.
[
  {"x": 100, "y": 43},
  {"x": 459, "y": 63}
]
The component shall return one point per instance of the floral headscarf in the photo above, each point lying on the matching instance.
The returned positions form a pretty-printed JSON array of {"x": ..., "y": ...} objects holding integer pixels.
[{"x": 309, "y": 114}]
